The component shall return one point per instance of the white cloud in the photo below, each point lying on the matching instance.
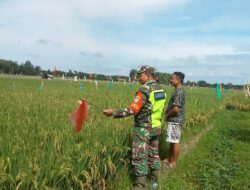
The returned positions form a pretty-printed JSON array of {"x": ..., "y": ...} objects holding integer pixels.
[
  {"x": 122, "y": 8},
  {"x": 189, "y": 74},
  {"x": 171, "y": 50},
  {"x": 62, "y": 28},
  {"x": 58, "y": 22},
  {"x": 87, "y": 8}
]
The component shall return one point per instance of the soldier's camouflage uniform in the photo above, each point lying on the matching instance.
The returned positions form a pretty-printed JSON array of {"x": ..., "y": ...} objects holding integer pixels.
[{"x": 147, "y": 109}]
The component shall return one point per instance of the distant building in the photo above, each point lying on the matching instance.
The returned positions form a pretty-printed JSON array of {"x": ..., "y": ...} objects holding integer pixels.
[
  {"x": 47, "y": 76},
  {"x": 121, "y": 80},
  {"x": 75, "y": 78}
]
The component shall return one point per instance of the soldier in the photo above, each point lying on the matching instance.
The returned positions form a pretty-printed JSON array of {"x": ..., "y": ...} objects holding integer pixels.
[{"x": 147, "y": 108}]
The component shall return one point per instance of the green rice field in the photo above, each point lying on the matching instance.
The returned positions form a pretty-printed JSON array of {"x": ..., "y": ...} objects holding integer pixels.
[{"x": 40, "y": 150}]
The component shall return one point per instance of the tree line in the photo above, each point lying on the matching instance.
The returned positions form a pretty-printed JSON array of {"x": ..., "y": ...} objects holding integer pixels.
[
  {"x": 27, "y": 68},
  {"x": 12, "y": 67}
]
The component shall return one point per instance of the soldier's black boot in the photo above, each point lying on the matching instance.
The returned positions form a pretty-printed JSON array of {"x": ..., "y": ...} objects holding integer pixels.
[{"x": 140, "y": 183}]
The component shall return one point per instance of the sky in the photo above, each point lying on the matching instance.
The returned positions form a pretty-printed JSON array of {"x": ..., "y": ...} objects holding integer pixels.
[{"x": 205, "y": 39}]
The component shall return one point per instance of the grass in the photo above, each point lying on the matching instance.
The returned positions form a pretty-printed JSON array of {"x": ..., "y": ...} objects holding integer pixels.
[
  {"x": 39, "y": 150},
  {"x": 219, "y": 161}
]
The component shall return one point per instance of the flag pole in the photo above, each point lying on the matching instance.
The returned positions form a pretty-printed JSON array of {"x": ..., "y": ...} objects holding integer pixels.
[{"x": 100, "y": 108}]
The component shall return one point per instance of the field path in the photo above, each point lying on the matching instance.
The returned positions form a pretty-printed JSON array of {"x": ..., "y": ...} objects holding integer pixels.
[{"x": 186, "y": 147}]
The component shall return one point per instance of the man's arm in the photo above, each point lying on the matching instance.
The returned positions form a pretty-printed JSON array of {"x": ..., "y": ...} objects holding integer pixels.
[
  {"x": 133, "y": 109},
  {"x": 172, "y": 112},
  {"x": 176, "y": 106}
]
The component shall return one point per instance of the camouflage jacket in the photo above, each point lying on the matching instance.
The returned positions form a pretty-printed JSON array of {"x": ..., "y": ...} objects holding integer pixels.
[{"x": 147, "y": 108}]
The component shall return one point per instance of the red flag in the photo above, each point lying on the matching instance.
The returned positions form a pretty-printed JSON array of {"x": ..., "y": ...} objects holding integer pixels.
[{"x": 79, "y": 116}]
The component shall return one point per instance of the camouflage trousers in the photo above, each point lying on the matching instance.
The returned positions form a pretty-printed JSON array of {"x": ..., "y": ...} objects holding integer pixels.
[{"x": 145, "y": 152}]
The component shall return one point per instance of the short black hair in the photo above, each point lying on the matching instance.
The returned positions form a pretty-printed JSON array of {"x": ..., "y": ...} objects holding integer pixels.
[{"x": 180, "y": 76}]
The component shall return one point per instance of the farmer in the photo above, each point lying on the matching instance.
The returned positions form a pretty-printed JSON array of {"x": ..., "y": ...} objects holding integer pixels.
[
  {"x": 174, "y": 114},
  {"x": 147, "y": 108}
]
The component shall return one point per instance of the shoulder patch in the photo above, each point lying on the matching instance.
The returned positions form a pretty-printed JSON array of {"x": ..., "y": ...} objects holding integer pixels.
[
  {"x": 137, "y": 99},
  {"x": 137, "y": 103}
]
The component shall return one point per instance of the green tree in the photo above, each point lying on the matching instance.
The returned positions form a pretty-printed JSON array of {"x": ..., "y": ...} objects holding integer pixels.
[
  {"x": 202, "y": 83},
  {"x": 28, "y": 68},
  {"x": 37, "y": 70},
  {"x": 163, "y": 78}
]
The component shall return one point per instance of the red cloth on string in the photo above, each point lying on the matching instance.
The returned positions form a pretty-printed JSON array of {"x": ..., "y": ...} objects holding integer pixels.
[{"x": 79, "y": 116}]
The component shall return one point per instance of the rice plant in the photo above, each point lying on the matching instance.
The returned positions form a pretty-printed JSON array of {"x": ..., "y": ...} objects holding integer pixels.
[{"x": 39, "y": 149}]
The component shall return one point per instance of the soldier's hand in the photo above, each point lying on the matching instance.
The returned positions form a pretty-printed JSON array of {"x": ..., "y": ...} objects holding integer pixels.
[
  {"x": 108, "y": 112},
  {"x": 80, "y": 101}
]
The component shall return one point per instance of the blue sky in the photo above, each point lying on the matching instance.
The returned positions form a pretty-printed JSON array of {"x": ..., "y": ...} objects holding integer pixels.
[{"x": 205, "y": 39}]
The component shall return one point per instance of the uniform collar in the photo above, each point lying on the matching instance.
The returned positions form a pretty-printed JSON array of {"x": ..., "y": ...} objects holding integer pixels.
[{"x": 149, "y": 82}]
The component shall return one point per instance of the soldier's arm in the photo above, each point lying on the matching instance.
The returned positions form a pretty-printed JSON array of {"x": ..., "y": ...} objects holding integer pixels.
[{"x": 133, "y": 108}]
